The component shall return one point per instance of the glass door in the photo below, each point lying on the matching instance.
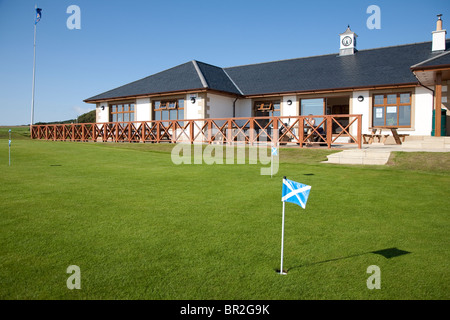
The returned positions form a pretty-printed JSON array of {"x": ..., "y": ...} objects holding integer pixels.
[{"x": 313, "y": 109}]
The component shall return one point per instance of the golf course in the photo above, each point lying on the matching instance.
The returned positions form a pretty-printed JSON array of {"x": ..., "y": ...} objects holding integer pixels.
[{"x": 140, "y": 227}]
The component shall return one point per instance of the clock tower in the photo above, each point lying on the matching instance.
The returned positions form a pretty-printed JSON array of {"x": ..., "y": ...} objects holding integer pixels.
[{"x": 348, "y": 42}]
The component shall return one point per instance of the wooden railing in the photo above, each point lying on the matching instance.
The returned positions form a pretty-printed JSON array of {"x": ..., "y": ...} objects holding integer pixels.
[{"x": 299, "y": 130}]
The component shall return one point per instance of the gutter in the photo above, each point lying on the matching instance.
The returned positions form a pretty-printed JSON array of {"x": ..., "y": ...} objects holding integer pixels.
[
  {"x": 234, "y": 107},
  {"x": 422, "y": 85}
]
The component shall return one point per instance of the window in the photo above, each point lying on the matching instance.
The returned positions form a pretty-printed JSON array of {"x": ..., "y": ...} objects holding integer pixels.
[
  {"x": 123, "y": 112},
  {"x": 267, "y": 109},
  {"x": 169, "y": 109},
  {"x": 312, "y": 107},
  {"x": 391, "y": 110}
]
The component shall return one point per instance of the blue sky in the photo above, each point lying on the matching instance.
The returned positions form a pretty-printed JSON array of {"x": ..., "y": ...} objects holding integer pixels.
[{"x": 123, "y": 41}]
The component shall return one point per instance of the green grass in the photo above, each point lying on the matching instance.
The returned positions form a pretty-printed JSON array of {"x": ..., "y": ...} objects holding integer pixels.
[{"x": 140, "y": 227}]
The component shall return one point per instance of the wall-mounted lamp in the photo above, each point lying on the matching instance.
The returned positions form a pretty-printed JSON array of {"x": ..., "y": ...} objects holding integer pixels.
[
  {"x": 289, "y": 102},
  {"x": 360, "y": 98},
  {"x": 103, "y": 107},
  {"x": 192, "y": 100}
]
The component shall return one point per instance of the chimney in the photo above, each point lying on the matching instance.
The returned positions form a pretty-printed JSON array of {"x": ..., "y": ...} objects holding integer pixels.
[{"x": 438, "y": 43}]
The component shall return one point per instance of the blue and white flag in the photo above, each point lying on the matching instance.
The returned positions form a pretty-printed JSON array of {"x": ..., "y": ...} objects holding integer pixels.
[
  {"x": 274, "y": 151},
  {"x": 295, "y": 192},
  {"x": 9, "y": 143},
  {"x": 38, "y": 15}
]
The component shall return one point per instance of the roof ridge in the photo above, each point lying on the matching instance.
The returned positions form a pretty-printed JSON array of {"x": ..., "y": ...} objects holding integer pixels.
[
  {"x": 396, "y": 46},
  {"x": 200, "y": 74},
  {"x": 196, "y": 62},
  {"x": 208, "y": 64},
  {"x": 281, "y": 60},
  {"x": 232, "y": 81}
]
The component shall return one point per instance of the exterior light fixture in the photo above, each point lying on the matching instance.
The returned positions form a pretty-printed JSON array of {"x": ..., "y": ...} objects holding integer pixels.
[
  {"x": 193, "y": 100},
  {"x": 103, "y": 107},
  {"x": 289, "y": 102},
  {"x": 360, "y": 98}
]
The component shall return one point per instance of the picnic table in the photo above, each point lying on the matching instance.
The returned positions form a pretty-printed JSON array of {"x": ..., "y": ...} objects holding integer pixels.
[{"x": 377, "y": 134}]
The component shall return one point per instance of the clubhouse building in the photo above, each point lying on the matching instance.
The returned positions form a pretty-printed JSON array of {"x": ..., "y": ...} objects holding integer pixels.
[{"x": 348, "y": 94}]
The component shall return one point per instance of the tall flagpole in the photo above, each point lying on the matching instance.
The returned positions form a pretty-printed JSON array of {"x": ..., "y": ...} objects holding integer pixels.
[{"x": 34, "y": 72}]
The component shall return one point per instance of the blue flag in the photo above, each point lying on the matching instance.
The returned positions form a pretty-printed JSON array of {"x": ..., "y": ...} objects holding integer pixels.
[
  {"x": 295, "y": 192},
  {"x": 38, "y": 15},
  {"x": 9, "y": 143}
]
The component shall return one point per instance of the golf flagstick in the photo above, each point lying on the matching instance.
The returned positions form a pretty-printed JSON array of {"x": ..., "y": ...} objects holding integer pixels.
[
  {"x": 9, "y": 147},
  {"x": 294, "y": 192},
  {"x": 282, "y": 239}
]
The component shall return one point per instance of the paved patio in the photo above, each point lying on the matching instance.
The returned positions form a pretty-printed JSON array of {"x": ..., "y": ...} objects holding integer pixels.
[{"x": 379, "y": 153}]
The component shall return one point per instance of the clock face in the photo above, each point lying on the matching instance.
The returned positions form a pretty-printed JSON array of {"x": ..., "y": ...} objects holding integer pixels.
[{"x": 346, "y": 41}]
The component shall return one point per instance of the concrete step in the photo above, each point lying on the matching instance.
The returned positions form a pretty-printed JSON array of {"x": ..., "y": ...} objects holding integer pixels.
[
  {"x": 427, "y": 138},
  {"x": 427, "y": 144},
  {"x": 369, "y": 157}
]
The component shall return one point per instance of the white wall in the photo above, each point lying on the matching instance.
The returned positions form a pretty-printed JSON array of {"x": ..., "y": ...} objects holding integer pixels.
[
  {"x": 220, "y": 106},
  {"x": 102, "y": 115},
  {"x": 289, "y": 110},
  {"x": 423, "y": 111},
  {"x": 143, "y": 110},
  {"x": 244, "y": 108},
  {"x": 194, "y": 110},
  {"x": 361, "y": 107}
]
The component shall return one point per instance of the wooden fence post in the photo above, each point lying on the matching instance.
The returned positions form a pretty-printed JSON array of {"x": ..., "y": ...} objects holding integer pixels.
[
  {"x": 329, "y": 131},
  {"x": 301, "y": 131}
]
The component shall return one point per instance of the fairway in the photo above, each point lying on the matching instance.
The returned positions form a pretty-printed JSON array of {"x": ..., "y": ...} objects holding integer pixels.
[{"x": 141, "y": 227}]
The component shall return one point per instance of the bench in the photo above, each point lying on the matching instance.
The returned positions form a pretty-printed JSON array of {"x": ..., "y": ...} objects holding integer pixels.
[{"x": 370, "y": 137}]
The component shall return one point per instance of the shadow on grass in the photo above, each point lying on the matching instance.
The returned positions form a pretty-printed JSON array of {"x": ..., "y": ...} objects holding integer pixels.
[{"x": 387, "y": 253}]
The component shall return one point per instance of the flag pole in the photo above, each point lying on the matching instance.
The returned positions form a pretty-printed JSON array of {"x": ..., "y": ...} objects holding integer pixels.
[
  {"x": 34, "y": 73},
  {"x": 9, "y": 147},
  {"x": 297, "y": 193},
  {"x": 282, "y": 238},
  {"x": 271, "y": 162}
]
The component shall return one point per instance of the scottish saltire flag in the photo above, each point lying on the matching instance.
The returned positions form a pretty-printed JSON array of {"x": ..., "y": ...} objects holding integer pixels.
[
  {"x": 274, "y": 151},
  {"x": 38, "y": 15},
  {"x": 295, "y": 192}
]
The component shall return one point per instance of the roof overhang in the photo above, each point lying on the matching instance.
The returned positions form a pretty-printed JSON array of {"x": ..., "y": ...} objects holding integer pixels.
[
  {"x": 427, "y": 75},
  {"x": 258, "y": 95},
  {"x": 427, "y": 70},
  {"x": 159, "y": 94},
  {"x": 335, "y": 90}
]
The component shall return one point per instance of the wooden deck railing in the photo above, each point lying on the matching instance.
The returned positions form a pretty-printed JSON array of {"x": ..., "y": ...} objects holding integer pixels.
[{"x": 297, "y": 130}]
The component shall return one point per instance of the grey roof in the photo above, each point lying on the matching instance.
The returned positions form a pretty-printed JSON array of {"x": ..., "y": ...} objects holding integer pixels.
[
  {"x": 180, "y": 78},
  {"x": 440, "y": 59},
  {"x": 216, "y": 78},
  {"x": 366, "y": 68}
]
